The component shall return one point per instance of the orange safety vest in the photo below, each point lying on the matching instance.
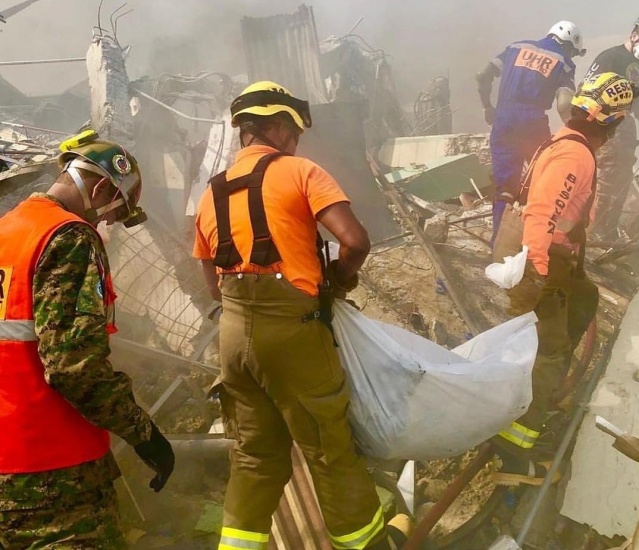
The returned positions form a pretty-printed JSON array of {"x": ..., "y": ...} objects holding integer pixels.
[{"x": 39, "y": 429}]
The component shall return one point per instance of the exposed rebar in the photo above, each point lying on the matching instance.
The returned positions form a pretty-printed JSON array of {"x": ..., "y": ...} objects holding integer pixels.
[{"x": 42, "y": 61}]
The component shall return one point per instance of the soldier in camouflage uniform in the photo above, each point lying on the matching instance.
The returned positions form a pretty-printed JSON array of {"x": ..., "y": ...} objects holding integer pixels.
[{"x": 60, "y": 395}]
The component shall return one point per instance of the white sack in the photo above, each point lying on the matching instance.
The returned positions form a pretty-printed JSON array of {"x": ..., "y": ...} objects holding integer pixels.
[
  {"x": 415, "y": 400},
  {"x": 510, "y": 272}
]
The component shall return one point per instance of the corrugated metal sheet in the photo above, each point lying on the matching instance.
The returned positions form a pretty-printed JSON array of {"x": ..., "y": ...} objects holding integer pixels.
[
  {"x": 298, "y": 521},
  {"x": 285, "y": 48}
]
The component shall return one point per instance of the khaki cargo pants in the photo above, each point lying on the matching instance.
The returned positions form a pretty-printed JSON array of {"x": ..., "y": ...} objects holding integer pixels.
[
  {"x": 565, "y": 303},
  {"x": 282, "y": 381}
]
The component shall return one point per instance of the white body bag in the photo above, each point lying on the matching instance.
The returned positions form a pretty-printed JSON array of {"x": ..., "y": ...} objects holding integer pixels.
[{"x": 415, "y": 400}]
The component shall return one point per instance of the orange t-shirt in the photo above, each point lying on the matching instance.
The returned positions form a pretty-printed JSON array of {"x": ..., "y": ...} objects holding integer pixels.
[
  {"x": 559, "y": 190},
  {"x": 294, "y": 190}
]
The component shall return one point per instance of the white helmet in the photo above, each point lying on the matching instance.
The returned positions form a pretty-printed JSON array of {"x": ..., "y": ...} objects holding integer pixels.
[{"x": 565, "y": 31}]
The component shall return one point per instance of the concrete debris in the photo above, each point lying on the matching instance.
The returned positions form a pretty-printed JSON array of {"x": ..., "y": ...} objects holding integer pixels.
[
  {"x": 597, "y": 469},
  {"x": 424, "y": 194},
  {"x": 109, "y": 83},
  {"x": 436, "y": 228},
  {"x": 433, "y": 113},
  {"x": 438, "y": 332}
]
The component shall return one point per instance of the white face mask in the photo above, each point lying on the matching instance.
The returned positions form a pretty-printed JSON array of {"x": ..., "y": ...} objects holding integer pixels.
[{"x": 635, "y": 50}]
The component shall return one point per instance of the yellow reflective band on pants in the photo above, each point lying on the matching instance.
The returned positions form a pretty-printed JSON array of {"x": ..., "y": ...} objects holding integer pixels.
[
  {"x": 520, "y": 435},
  {"x": 233, "y": 539},
  {"x": 361, "y": 538}
]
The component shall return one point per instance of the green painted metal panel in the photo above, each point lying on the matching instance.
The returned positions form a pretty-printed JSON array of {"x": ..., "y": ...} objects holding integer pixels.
[{"x": 443, "y": 178}]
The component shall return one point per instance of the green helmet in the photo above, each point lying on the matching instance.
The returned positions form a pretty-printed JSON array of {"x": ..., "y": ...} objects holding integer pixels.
[{"x": 110, "y": 160}]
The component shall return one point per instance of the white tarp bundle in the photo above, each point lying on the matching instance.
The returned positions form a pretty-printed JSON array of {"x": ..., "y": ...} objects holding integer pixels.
[{"x": 413, "y": 399}]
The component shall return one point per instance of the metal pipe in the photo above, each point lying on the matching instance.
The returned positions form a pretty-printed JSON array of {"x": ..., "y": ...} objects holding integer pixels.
[
  {"x": 567, "y": 439},
  {"x": 175, "y": 111},
  {"x": 160, "y": 354},
  {"x": 214, "y": 446},
  {"x": 423, "y": 529},
  {"x": 355, "y": 26},
  {"x": 26, "y": 126},
  {"x": 41, "y": 61}
]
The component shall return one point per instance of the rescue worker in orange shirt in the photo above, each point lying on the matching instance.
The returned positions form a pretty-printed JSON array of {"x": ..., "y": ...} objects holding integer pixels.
[
  {"x": 281, "y": 381},
  {"x": 558, "y": 192}
]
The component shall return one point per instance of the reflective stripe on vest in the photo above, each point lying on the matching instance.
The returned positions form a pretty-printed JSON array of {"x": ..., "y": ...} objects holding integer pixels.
[
  {"x": 361, "y": 538},
  {"x": 39, "y": 429},
  {"x": 520, "y": 435},
  {"x": 233, "y": 539},
  {"x": 18, "y": 331},
  {"x": 264, "y": 252}
]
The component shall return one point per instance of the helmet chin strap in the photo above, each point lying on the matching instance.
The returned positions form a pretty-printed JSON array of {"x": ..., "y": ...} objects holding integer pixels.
[
  {"x": 260, "y": 135},
  {"x": 91, "y": 214}
]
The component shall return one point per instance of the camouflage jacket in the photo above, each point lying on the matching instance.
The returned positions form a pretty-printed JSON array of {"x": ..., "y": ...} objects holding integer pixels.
[{"x": 73, "y": 344}]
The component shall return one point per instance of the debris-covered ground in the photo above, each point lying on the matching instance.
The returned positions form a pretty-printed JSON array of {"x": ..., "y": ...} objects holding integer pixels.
[
  {"x": 424, "y": 198},
  {"x": 399, "y": 285}
]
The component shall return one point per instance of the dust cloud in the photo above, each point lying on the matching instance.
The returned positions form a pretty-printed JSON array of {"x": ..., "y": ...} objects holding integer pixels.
[{"x": 424, "y": 39}]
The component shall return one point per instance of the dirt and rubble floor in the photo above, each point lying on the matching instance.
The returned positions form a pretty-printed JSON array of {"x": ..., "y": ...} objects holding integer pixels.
[{"x": 399, "y": 285}]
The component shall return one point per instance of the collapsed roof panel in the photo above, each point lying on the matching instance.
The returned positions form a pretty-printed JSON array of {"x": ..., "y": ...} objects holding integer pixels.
[
  {"x": 444, "y": 178},
  {"x": 284, "y": 48}
]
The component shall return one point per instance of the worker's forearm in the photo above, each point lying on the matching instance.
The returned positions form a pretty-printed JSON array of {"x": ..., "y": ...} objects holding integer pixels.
[
  {"x": 70, "y": 319},
  {"x": 212, "y": 279},
  {"x": 103, "y": 396},
  {"x": 350, "y": 261},
  {"x": 485, "y": 83}
]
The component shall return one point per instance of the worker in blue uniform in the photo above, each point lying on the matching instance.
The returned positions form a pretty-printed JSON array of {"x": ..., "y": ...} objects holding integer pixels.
[{"x": 533, "y": 73}]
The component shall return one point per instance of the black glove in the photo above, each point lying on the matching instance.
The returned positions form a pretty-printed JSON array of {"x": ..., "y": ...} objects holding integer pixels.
[
  {"x": 489, "y": 115},
  {"x": 340, "y": 288},
  {"x": 157, "y": 454}
]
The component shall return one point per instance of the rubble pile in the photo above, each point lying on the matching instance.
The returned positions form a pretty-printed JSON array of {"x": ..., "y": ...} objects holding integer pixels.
[{"x": 424, "y": 194}]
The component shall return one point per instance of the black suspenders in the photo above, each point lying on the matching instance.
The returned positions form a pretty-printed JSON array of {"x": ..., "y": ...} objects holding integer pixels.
[{"x": 264, "y": 252}]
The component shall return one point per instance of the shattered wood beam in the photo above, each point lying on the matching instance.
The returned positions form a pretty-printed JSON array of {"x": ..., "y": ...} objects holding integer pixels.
[
  {"x": 109, "y": 83},
  {"x": 442, "y": 271}
]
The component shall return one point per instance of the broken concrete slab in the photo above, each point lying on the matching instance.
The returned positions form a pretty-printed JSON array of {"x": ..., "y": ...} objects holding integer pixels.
[
  {"x": 604, "y": 487},
  {"x": 109, "y": 82}
]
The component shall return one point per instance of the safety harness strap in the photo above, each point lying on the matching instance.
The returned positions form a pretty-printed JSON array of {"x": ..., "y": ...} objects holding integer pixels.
[{"x": 264, "y": 252}]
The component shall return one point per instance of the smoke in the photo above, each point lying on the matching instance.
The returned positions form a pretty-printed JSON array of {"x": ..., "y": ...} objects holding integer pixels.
[{"x": 424, "y": 39}]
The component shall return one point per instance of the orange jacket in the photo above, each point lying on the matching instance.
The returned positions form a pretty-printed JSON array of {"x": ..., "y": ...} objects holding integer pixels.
[
  {"x": 39, "y": 429},
  {"x": 560, "y": 187}
]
